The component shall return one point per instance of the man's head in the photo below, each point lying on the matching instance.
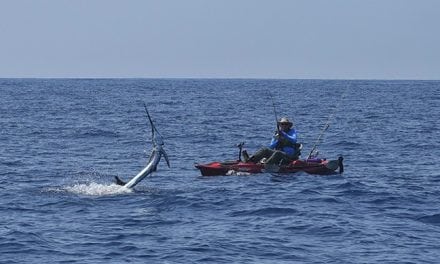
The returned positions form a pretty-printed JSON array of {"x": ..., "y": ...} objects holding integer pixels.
[{"x": 285, "y": 123}]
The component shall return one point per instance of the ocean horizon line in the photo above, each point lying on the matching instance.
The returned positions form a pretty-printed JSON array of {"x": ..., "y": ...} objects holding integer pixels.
[{"x": 214, "y": 78}]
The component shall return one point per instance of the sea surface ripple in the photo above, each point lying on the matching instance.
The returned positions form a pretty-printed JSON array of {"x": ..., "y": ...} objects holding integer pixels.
[{"x": 64, "y": 140}]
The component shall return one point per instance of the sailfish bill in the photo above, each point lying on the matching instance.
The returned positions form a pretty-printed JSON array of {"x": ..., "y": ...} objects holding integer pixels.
[{"x": 156, "y": 154}]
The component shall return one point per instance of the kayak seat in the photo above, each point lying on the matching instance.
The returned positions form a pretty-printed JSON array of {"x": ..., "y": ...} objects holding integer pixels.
[
  {"x": 245, "y": 156},
  {"x": 298, "y": 148}
]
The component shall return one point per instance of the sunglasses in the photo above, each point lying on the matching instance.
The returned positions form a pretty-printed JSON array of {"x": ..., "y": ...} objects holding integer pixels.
[{"x": 284, "y": 124}]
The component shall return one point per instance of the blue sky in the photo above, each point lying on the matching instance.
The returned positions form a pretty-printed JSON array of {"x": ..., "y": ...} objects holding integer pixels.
[{"x": 311, "y": 39}]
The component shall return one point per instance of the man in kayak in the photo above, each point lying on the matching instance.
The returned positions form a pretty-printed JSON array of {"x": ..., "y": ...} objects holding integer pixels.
[{"x": 283, "y": 147}]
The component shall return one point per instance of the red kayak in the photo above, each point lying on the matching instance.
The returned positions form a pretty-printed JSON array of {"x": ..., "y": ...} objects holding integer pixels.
[{"x": 311, "y": 166}]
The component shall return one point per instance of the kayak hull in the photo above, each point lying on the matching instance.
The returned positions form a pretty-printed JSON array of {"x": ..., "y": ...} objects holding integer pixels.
[{"x": 311, "y": 166}]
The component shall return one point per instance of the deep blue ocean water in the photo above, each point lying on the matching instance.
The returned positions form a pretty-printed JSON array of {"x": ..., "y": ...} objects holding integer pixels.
[{"x": 63, "y": 141}]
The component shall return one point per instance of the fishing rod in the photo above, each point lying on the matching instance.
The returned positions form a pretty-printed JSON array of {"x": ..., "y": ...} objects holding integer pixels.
[
  {"x": 327, "y": 124},
  {"x": 275, "y": 112}
]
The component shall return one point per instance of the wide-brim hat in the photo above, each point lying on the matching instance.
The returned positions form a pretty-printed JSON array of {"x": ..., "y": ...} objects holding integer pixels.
[{"x": 285, "y": 120}]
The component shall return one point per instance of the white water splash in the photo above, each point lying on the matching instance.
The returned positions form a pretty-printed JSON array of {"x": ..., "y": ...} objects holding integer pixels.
[
  {"x": 237, "y": 173},
  {"x": 96, "y": 189}
]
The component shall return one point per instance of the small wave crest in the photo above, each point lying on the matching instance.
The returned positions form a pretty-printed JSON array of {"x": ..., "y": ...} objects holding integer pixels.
[{"x": 97, "y": 189}]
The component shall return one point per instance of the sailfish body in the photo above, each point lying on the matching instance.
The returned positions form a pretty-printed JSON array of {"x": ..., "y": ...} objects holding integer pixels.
[{"x": 156, "y": 154}]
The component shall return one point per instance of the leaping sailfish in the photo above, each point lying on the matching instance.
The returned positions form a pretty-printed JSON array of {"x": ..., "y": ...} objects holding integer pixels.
[{"x": 156, "y": 153}]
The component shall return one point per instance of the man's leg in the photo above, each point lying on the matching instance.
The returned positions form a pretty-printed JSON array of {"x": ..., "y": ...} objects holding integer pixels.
[
  {"x": 277, "y": 157},
  {"x": 260, "y": 154}
]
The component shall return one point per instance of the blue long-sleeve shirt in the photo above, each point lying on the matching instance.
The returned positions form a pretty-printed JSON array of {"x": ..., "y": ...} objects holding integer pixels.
[{"x": 287, "y": 140}]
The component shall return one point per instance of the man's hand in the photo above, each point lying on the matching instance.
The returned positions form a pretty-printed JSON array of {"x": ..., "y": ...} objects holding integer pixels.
[{"x": 278, "y": 135}]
